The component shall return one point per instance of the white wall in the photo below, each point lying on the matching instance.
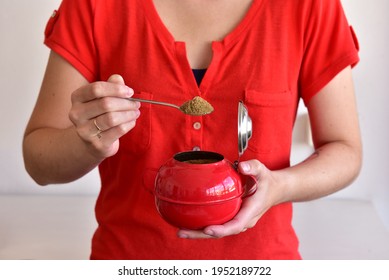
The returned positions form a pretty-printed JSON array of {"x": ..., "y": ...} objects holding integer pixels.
[
  {"x": 371, "y": 24},
  {"x": 22, "y": 63}
]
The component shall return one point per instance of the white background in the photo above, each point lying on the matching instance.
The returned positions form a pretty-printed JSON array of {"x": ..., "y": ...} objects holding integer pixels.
[{"x": 23, "y": 58}]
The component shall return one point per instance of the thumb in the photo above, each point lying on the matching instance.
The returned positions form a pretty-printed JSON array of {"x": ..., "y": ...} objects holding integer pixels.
[
  {"x": 117, "y": 79},
  {"x": 251, "y": 167},
  {"x": 245, "y": 167}
]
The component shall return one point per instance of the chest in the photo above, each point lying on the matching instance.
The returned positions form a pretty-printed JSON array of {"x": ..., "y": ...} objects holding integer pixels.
[
  {"x": 199, "y": 23},
  {"x": 248, "y": 63},
  {"x": 155, "y": 47}
]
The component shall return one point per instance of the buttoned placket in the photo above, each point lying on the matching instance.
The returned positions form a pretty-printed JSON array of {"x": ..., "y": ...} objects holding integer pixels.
[{"x": 196, "y": 133}]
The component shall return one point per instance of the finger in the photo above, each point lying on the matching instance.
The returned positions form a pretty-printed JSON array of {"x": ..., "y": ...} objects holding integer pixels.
[
  {"x": 104, "y": 105},
  {"x": 246, "y": 218},
  {"x": 115, "y": 87},
  {"x": 99, "y": 90},
  {"x": 242, "y": 221},
  {"x": 251, "y": 167},
  {"x": 113, "y": 119},
  {"x": 105, "y": 143},
  {"x": 105, "y": 122},
  {"x": 248, "y": 215},
  {"x": 107, "y": 137},
  {"x": 116, "y": 79},
  {"x": 193, "y": 234},
  {"x": 233, "y": 227}
]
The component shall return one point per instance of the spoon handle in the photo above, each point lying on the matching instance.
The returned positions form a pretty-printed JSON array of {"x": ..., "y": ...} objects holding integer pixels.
[{"x": 154, "y": 102}]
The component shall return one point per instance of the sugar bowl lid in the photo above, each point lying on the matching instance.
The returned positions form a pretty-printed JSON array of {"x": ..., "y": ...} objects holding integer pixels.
[{"x": 245, "y": 128}]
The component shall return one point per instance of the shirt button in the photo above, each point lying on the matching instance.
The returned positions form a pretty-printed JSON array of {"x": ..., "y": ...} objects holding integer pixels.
[
  {"x": 196, "y": 148},
  {"x": 197, "y": 125}
]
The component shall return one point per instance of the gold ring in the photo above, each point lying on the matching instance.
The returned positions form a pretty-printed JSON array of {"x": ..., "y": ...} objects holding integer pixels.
[
  {"x": 99, "y": 130},
  {"x": 98, "y": 127}
]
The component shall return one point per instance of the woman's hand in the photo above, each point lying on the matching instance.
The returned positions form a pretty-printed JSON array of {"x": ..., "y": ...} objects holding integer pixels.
[
  {"x": 75, "y": 124},
  {"x": 101, "y": 114},
  {"x": 253, "y": 207}
]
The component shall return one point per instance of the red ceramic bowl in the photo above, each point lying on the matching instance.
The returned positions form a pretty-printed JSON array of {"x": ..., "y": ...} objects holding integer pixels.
[{"x": 197, "y": 189}]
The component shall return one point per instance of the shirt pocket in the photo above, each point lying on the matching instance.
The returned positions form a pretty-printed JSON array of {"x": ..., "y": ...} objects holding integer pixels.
[
  {"x": 272, "y": 117},
  {"x": 138, "y": 140}
]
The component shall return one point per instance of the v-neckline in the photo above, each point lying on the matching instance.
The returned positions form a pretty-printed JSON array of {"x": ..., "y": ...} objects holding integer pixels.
[
  {"x": 179, "y": 47},
  {"x": 164, "y": 32}
]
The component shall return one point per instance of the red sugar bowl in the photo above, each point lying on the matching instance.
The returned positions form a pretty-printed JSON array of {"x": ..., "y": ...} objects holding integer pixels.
[
  {"x": 196, "y": 189},
  {"x": 200, "y": 188}
]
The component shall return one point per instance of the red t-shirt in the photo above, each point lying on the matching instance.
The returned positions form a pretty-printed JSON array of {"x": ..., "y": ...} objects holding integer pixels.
[{"x": 281, "y": 51}]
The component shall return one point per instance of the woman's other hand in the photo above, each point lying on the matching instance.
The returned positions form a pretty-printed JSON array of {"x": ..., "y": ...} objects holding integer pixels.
[{"x": 268, "y": 193}]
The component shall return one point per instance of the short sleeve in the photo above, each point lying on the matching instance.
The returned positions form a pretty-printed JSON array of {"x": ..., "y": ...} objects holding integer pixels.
[
  {"x": 330, "y": 45},
  {"x": 69, "y": 32}
]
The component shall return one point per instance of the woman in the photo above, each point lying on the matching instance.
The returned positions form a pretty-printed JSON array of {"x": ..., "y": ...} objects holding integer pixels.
[{"x": 267, "y": 53}]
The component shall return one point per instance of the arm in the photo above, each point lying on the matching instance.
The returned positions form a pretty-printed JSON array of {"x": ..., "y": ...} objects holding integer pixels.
[
  {"x": 334, "y": 165},
  {"x": 338, "y": 149},
  {"x": 60, "y": 142}
]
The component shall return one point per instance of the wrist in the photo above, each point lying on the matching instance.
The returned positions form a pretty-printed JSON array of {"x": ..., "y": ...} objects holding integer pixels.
[{"x": 284, "y": 186}]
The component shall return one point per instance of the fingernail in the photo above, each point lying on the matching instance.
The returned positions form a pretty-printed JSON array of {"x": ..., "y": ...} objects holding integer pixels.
[
  {"x": 245, "y": 167},
  {"x": 130, "y": 92},
  {"x": 183, "y": 235},
  {"x": 208, "y": 232}
]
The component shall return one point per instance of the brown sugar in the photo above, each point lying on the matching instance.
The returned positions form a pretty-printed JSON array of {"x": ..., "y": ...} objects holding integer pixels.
[{"x": 197, "y": 107}]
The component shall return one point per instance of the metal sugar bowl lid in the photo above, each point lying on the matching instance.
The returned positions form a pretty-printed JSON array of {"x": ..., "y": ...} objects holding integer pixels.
[{"x": 245, "y": 128}]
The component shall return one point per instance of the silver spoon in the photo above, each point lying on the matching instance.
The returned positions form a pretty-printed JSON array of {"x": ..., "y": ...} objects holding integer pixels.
[{"x": 195, "y": 107}]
